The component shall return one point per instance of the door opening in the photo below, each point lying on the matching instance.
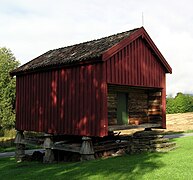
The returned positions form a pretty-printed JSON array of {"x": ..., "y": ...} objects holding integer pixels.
[{"x": 122, "y": 108}]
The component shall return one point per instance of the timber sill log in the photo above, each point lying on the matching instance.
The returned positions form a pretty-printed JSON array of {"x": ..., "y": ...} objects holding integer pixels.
[{"x": 123, "y": 127}]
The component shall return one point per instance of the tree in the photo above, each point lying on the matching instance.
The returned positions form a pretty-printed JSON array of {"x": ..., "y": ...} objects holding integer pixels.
[
  {"x": 180, "y": 104},
  {"x": 183, "y": 103},
  {"x": 170, "y": 109},
  {"x": 7, "y": 89}
]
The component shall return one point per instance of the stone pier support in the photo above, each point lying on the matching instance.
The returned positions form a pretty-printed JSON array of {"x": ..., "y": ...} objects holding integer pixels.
[
  {"x": 49, "y": 155},
  {"x": 20, "y": 146},
  {"x": 87, "y": 150}
]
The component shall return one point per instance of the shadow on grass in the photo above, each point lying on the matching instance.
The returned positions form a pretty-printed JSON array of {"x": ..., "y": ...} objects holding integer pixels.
[
  {"x": 172, "y": 135},
  {"x": 125, "y": 167}
]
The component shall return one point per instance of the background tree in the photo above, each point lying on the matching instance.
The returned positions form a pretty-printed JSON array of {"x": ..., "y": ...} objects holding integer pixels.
[
  {"x": 183, "y": 103},
  {"x": 7, "y": 89},
  {"x": 170, "y": 107},
  {"x": 180, "y": 104}
]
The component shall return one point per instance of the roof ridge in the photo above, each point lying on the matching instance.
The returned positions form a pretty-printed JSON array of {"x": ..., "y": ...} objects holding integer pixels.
[{"x": 85, "y": 42}]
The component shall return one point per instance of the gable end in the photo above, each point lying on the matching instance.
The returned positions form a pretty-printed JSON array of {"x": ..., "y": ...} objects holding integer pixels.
[{"x": 139, "y": 33}]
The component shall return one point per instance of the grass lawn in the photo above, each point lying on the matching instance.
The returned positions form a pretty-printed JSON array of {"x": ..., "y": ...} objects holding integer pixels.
[
  {"x": 7, "y": 145},
  {"x": 7, "y": 149},
  {"x": 177, "y": 164},
  {"x": 13, "y": 148}
]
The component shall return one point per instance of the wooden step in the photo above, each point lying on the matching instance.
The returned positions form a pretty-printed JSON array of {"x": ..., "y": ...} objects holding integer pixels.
[
  {"x": 164, "y": 145},
  {"x": 166, "y": 149},
  {"x": 105, "y": 147},
  {"x": 152, "y": 141},
  {"x": 160, "y": 140}
]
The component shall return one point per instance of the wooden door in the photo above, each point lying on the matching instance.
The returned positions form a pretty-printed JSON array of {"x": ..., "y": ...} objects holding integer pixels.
[{"x": 122, "y": 108}]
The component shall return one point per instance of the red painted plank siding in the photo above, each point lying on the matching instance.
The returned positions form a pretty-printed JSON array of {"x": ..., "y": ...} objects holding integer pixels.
[
  {"x": 65, "y": 101},
  {"x": 135, "y": 65},
  {"x": 164, "y": 104},
  {"x": 73, "y": 100}
]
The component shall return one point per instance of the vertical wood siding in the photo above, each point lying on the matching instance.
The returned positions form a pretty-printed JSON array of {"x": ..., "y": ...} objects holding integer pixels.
[
  {"x": 135, "y": 65},
  {"x": 66, "y": 101},
  {"x": 73, "y": 100}
]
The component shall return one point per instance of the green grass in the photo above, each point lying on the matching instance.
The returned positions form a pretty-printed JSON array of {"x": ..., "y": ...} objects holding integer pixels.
[
  {"x": 188, "y": 131},
  {"x": 7, "y": 145},
  {"x": 177, "y": 164},
  {"x": 13, "y": 148},
  {"x": 7, "y": 149}
]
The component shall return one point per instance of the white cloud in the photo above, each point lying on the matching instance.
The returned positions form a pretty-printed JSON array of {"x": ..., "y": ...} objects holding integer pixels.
[{"x": 29, "y": 28}]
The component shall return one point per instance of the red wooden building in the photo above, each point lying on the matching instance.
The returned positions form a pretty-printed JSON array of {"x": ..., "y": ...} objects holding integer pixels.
[{"x": 90, "y": 88}]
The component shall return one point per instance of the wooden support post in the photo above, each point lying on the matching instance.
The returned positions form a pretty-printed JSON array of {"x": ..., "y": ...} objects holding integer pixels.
[
  {"x": 48, "y": 144},
  {"x": 20, "y": 146},
  {"x": 164, "y": 108},
  {"x": 87, "y": 150}
]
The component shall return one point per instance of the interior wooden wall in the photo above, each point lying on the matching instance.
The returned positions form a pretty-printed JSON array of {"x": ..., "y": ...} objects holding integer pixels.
[{"x": 144, "y": 105}]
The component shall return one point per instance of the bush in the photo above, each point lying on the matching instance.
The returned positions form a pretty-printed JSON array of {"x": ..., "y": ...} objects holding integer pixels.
[
  {"x": 7, "y": 133},
  {"x": 10, "y": 133},
  {"x": 1, "y": 133},
  {"x": 6, "y": 142}
]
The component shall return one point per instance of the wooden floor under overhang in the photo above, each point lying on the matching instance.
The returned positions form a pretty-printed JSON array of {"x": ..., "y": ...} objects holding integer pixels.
[{"x": 125, "y": 127}]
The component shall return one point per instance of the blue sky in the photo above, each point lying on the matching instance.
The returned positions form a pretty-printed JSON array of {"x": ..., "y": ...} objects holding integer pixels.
[{"x": 30, "y": 28}]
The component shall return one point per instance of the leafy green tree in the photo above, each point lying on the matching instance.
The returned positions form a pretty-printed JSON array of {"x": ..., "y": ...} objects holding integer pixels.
[
  {"x": 183, "y": 103},
  {"x": 7, "y": 89},
  {"x": 180, "y": 104},
  {"x": 170, "y": 109}
]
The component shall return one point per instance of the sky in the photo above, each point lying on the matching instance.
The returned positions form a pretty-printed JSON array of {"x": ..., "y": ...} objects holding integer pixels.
[{"x": 29, "y": 28}]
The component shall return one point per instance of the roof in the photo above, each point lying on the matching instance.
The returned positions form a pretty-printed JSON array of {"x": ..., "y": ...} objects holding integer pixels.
[
  {"x": 90, "y": 51},
  {"x": 74, "y": 54}
]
